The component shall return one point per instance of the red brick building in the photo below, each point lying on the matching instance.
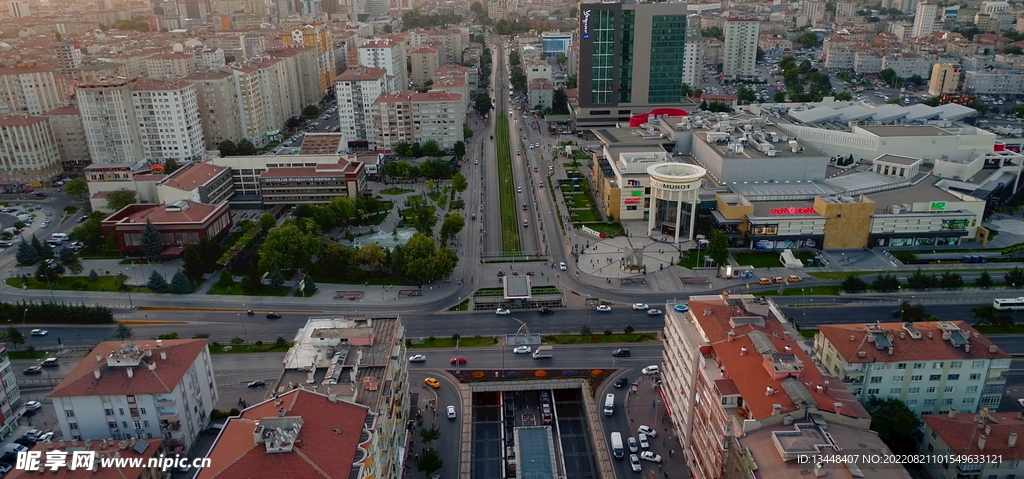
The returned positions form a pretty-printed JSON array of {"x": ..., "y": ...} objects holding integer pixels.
[{"x": 181, "y": 223}]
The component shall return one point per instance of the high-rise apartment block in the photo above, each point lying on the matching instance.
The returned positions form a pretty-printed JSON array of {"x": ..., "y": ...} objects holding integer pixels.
[
  {"x": 425, "y": 61},
  {"x": 739, "y": 55},
  {"x": 924, "y": 19},
  {"x": 317, "y": 37},
  {"x": 631, "y": 60},
  {"x": 392, "y": 120},
  {"x": 219, "y": 106},
  {"x": 18, "y": 9},
  {"x": 168, "y": 116},
  {"x": 170, "y": 66},
  {"x": 386, "y": 54},
  {"x": 11, "y": 402},
  {"x": 108, "y": 116},
  {"x": 945, "y": 78},
  {"x": 27, "y": 149},
  {"x": 66, "y": 123},
  {"x": 449, "y": 42},
  {"x": 68, "y": 55},
  {"x": 693, "y": 55},
  {"x": 408, "y": 116},
  {"x": 29, "y": 91},
  {"x": 356, "y": 90}
]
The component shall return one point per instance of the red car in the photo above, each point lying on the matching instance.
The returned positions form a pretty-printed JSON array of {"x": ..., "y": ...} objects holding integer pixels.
[{"x": 458, "y": 359}]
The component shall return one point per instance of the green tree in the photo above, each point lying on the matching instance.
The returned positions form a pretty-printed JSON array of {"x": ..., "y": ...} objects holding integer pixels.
[
  {"x": 26, "y": 254},
  {"x": 371, "y": 256},
  {"x": 713, "y": 32},
  {"x": 779, "y": 97},
  {"x": 44, "y": 249},
  {"x": 853, "y": 284},
  {"x": 844, "y": 96},
  {"x": 93, "y": 276},
  {"x": 89, "y": 232},
  {"x": 894, "y": 422},
  {"x": 482, "y": 105},
  {"x": 459, "y": 183},
  {"x": 912, "y": 312},
  {"x": 310, "y": 111},
  {"x": 431, "y": 148},
  {"x": 429, "y": 462},
  {"x": 984, "y": 280},
  {"x": 310, "y": 286},
  {"x": 1014, "y": 278},
  {"x": 424, "y": 219},
  {"x": 1013, "y": 50},
  {"x": 628, "y": 329},
  {"x": 120, "y": 198},
  {"x": 15, "y": 337},
  {"x": 151, "y": 243},
  {"x": 885, "y": 283},
  {"x": 476, "y": 8},
  {"x": 571, "y": 81},
  {"x": 459, "y": 148},
  {"x": 122, "y": 332},
  {"x": 746, "y": 95},
  {"x": 76, "y": 187},
  {"x": 951, "y": 280},
  {"x": 287, "y": 247},
  {"x": 76, "y": 268},
  {"x": 226, "y": 279},
  {"x": 808, "y": 40},
  {"x": 245, "y": 148},
  {"x": 560, "y": 102},
  {"x": 252, "y": 282},
  {"x": 718, "y": 247},
  {"x": 192, "y": 264},
  {"x": 467, "y": 132},
  {"x": 430, "y": 435},
  {"x": 227, "y": 148},
  {"x": 67, "y": 255},
  {"x": 157, "y": 282},
  {"x": 921, "y": 280},
  {"x": 180, "y": 284},
  {"x": 267, "y": 221},
  {"x": 451, "y": 226},
  {"x": 276, "y": 279},
  {"x": 985, "y": 314}
]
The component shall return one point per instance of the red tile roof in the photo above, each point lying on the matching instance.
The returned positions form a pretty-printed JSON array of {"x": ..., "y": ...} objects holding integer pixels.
[
  {"x": 114, "y": 380},
  {"x": 122, "y": 472},
  {"x": 361, "y": 74},
  {"x": 193, "y": 176},
  {"x": 21, "y": 120},
  {"x": 160, "y": 214},
  {"x": 906, "y": 348},
  {"x": 961, "y": 435},
  {"x": 436, "y": 95},
  {"x": 752, "y": 373},
  {"x": 325, "y": 447}
]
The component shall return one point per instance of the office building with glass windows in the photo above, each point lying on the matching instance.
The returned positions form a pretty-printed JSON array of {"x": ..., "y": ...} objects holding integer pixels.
[{"x": 631, "y": 60}]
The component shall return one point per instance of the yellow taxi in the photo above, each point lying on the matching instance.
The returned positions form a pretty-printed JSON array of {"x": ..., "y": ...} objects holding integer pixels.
[
  {"x": 794, "y": 278},
  {"x": 434, "y": 383},
  {"x": 764, "y": 281}
]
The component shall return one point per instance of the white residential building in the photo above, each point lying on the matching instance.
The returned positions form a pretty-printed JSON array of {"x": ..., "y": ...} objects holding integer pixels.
[
  {"x": 29, "y": 91},
  {"x": 692, "y": 54},
  {"x": 28, "y": 151},
  {"x": 168, "y": 116},
  {"x": 924, "y": 19},
  {"x": 739, "y": 56},
  {"x": 153, "y": 389},
  {"x": 438, "y": 116},
  {"x": 18, "y": 9},
  {"x": 388, "y": 55},
  {"x": 990, "y": 437},
  {"x": 930, "y": 366},
  {"x": 356, "y": 89},
  {"x": 907, "y": 65},
  {"x": 10, "y": 396},
  {"x": 108, "y": 116},
  {"x": 994, "y": 82}
]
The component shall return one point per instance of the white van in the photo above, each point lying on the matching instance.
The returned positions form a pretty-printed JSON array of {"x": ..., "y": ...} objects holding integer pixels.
[
  {"x": 62, "y": 237},
  {"x": 609, "y": 405}
]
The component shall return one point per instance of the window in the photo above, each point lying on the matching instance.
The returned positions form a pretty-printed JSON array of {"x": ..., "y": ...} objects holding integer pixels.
[
  {"x": 918, "y": 365},
  {"x": 974, "y": 376},
  {"x": 112, "y": 425},
  {"x": 901, "y": 366},
  {"x": 145, "y": 423},
  {"x": 876, "y": 379},
  {"x": 968, "y": 401},
  {"x": 929, "y": 402},
  {"x": 934, "y": 436},
  {"x": 873, "y": 392},
  {"x": 956, "y": 364},
  {"x": 897, "y": 379},
  {"x": 915, "y": 378},
  {"x": 138, "y": 425},
  {"x": 972, "y": 389},
  {"x": 913, "y": 390},
  {"x": 895, "y": 390},
  {"x": 947, "y": 401},
  {"x": 911, "y": 402},
  {"x": 950, "y": 389},
  {"x": 977, "y": 364},
  {"x": 142, "y": 411},
  {"x": 131, "y": 399},
  {"x": 73, "y": 425},
  {"x": 953, "y": 377},
  {"x": 935, "y": 377},
  {"x": 1014, "y": 465},
  {"x": 69, "y": 413},
  {"x": 120, "y": 411},
  {"x": 938, "y": 364},
  {"x": 109, "y": 412}
]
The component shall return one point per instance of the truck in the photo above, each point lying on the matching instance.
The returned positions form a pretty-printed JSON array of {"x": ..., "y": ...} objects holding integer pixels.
[
  {"x": 617, "y": 445},
  {"x": 542, "y": 352}
]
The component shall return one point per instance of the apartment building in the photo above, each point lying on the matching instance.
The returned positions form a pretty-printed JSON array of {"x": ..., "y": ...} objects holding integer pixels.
[
  {"x": 438, "y": 116},
  {"x": 907, "y": 65},
  {"x": 739, "y": 56},
  {"x": 28, "y": 150},
  {"x": 541, "y": 92},
  {"x": 735, "y": 381},
  {"x": 386, "y": 54},
  {"x": 535, "y": 69},
  {"x": 68, "y": 132},
  {"x": 990, "y": 437},
  {"x": 945, "y": 79},
  {"x": 994, "y": 82},
  {"x": 219, "y": 108},
  {"x": 67, "y": 55},
  {"x": 170, "y": 66},
  {"x": 693, "y": 56},
  {"x": 200, "y": 182},
  {"x": 318, "y": 37},
  {"x": 471, "y": 75},
  {"x": 10, "y": 396},
  {"x": 300, "y": 67},
  {"x": 152, "y": 389},
  {"x": 425, "y": 61},
  {"x": 110, "y": 122},
  {"x": 356, "y": 90},
  {"x": 249, "y": 94},
  {"x": 930, "y": 366},
  {"x": 18, "y": 9},
  {"x": 393, "y": 120},
  {"x": 924, "y": 19},
  {"x": 453, "y": 81},
  {"x": 29, "y": 91},
  {"x": 449, "y": 42},
  {"x": 168, "y": 120}
]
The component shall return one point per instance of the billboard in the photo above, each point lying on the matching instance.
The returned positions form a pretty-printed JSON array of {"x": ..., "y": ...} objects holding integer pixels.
[{"x": 586, "y": 25}]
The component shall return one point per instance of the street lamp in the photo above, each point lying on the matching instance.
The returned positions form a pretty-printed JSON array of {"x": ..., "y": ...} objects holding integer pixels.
[
  {"x": 23, "y": 316},
  {"x": 240, "y": 320}
]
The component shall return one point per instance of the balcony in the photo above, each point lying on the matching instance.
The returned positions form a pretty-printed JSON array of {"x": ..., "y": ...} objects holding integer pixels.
[
  {"x": 168, "y": 416},
  {"x": 164, "y": 403},
  {"x": 168, "y": 426}
]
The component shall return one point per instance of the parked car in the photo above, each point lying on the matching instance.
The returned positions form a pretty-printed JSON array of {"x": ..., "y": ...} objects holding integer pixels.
[
  {"x": 650, "y": 456},
  {"x": 33, "y": 405},
  {"x": 644, "y": 442},
  {"x": 634, "y": 463},
  {"x": 631, "y": 441},
  {"x": 650, "y": 432},
  {"x": 650, "y": 370}
]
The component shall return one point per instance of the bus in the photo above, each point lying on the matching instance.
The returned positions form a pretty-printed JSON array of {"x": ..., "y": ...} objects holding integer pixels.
[{"x": 1008, "y": 304}]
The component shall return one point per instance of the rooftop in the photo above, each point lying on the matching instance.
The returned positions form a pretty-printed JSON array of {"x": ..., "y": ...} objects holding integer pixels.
[
  {"x": 922, "y": 191},
  {"x": 127, "y": 449},
  {"x": 758, "y": 353},
  {"x": 899, "y": 160},
  {"x": 536, "y": 453},
  {"x": 756, "y": 145},
  {"x": 888, "y": 131},
  {"x": 321, "y": 144},
  {"x": 360, "y": 73},
  {"x": 961, "y": 433},
  {"x": 192, "y": 176},
  {"x": 11, "y": 121},
  {"x": 341, "y": 168},
  {"x": 157, "y": 367},
  {"x": 304, "y": 434},
  {"x": 919, "y": 341},
  {"x": 183, "y": 212}
]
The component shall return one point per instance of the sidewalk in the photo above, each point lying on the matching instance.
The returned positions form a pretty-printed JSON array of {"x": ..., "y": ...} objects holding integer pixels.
[{"x": 645, "y": 407}]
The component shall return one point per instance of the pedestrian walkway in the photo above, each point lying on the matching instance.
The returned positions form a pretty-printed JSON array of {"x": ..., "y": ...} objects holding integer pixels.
[{"x": 646, "y": 407}]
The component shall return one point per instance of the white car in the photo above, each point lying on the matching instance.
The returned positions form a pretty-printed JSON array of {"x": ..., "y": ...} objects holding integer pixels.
[
  {"x": 634, "y": 463},
  {"x": 502, "y": 311},
  {"x": 640, "y": 307},
  {"x": 419, "y": 358},
  {"x": 522, "y": 350},
  {"x": 562, "y": 266},
  {"x": 33, "y": 405},
  {"x": 451, "y": 412},
  {"x": 647, "y": 430},
  {"x": 604, "y": 308},
  {"x": 650, "y": 370},
  {"x": 650, "y": 456},
  {"x": 654, "y": 312},
  {"x": 644, "y": 443},
  {"x": 631, "y": 441},
  {"x": 39, "y": 332}
]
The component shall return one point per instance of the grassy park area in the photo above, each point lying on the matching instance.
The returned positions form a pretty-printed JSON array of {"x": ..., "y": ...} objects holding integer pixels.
[{"x": 510, "y": 241}]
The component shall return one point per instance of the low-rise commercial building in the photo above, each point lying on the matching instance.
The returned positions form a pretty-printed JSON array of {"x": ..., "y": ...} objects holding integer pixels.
[
  {"x": 315, "y": 184},
  {"x": 182, "y": 223},
  {"x": 199, "y": 182},
  {"x": 541, "y": 93}
]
